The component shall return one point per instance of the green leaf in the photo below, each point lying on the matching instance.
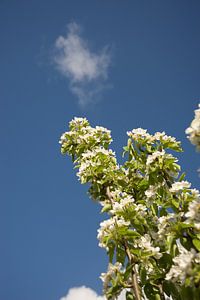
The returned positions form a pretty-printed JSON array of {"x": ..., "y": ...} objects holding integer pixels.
[
  {"x": 126, "y": 148},
  {"x": 151, "y": 292},
  {"x": 128, "y": 271},
  {"x": 132, "y": 233},
  {"x": 162, "y": 212},
  {"x": 165, "y": 261},
  {"x": 170, "y": 289},
  {"x": 186, "y": 293},
  {"x": 120, "y": 255},
  {"x": 106, "y": 208},
  {"x": 143, "y": 184},
  {"x": 113, "y": 290},
  {"x": 182, "y": 177},
  {"x": 122, "y": 183},
  {"x": 186, "y": 242},
  {"x": 136, "y": 251},
  {"x": 154, "y": 209},
  {"x": 176, "y": 146},
  {"x": 111, "y": 252},
  {"x": 143, "y": 275},
  {"x": 196, "y": 243},
  {"x": 171, "y": 241},
  {"x": 196, "y": 293},
  {"x": 129, "y": 296},
  {"x": 175, "y": 203}
]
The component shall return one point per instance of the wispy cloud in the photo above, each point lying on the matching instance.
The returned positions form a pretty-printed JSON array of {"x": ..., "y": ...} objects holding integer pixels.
[
  {"x": 86, "y": 71},
  {"x": 84, "y": 293}
]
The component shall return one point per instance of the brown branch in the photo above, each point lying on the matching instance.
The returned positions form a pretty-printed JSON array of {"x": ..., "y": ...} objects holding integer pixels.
[
  {"x": 108, "y": 193},
  {"x": 135, "y": 284},
  {"x": 161, "y": 291}
]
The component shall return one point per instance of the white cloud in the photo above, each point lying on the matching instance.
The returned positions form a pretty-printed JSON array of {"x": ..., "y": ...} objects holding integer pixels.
[
  {"x": 86, "y": 71},
  {"x": 84, "y": 293}
]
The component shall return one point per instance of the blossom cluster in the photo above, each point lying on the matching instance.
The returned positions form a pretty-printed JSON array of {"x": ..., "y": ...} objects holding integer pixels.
[
  {"x": 109, "y": 228},
  {"x": 140, "y": 134},
  {"x": 113, "y": 271},
  {"x": 99, "y": 160},
  {"x": 193, "y": 213},
  {"x": 82, "y": 137},
  {"x": 145, "y": 243},
  {"x": 183, "y": 266}
]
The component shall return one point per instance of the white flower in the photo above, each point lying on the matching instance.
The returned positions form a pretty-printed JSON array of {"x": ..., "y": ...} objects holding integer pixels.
[
  {"x": 91, "y": 153},
  {"x": 78, "y": 121},
  {"x": 112, "y": 272},
  {"x": 140, "y": 209},
  {"x": 102, "y": 130},
  {"x": 124, "y": 203},
  {"x": 62, "y": 138},
  {"x": 152, "y": 157},
  {"x": 193, "y": 213},
  {"x": 163, "y": 224},
  {"x": 197, "y": 258},
  {"x": 194, "y": 130},
  {"x": 195, "y": 193},
  {"x": 194, "y": 210},
  {"x": 182, "y": 265},
  {"x": 145, "y": 243},
  {"x": 140, "y": 133},
  {"x": 179, "y": 186},
  {"x": 109, "y": 226},
  {"x": 151, "y": 192},
  {"x": 161, "y": 136}
]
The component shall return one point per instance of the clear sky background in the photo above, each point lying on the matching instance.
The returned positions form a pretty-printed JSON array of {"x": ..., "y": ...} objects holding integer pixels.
[{"x": 123, "y": 65}]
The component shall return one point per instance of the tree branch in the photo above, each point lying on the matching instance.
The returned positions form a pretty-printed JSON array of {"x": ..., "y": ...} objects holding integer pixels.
[{"x": 135, "y": 284}]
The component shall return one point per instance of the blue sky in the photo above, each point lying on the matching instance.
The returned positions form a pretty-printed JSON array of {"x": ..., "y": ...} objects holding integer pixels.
[{"x": 139, "y": 66}]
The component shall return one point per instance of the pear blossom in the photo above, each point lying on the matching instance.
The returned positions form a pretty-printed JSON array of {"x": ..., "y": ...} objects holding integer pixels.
[
  {"x": 151, "y": 192},
  {"x": 193, "y": 132},
  {"x": 140, "y": 133},
  {"x": 124, "y": 202},
  {"x": 152, "y": 157},
  {"x": 109, "y": 226},
  {"x": 179, "y": 186},
  {"x": 141, "y": 209},
  {"x": 193, "y": 213},
  {"x": 145, "y": 243},
  {"x": 120, "y": 206},
  {"x": 161, "y": 136},
  {"x": 78, "y": 121},
  {"x": 163, "y": 225},
  {"x": 182, "y": 265},
  {"x": 113, "y": 270}
]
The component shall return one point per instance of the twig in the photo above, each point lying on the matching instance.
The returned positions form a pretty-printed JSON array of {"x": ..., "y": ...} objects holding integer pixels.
[
  {"x": 108, "y": 193},
  {"x": 135, "y": 284}
]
